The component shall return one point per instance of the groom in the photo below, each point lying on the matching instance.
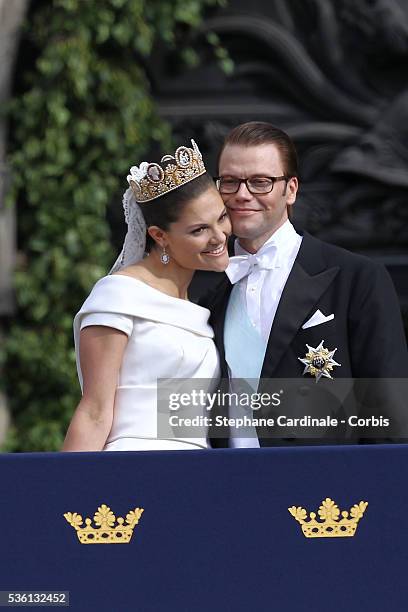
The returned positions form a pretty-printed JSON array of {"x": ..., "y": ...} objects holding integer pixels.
[{"x": 291, "y": 306}]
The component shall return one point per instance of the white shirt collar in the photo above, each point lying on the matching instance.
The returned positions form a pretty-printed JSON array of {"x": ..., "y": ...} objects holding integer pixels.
[{"x": 285, "y": 238}]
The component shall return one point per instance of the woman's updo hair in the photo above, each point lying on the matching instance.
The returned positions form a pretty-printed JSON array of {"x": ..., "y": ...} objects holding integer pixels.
[{"x": 168, "y": 208}]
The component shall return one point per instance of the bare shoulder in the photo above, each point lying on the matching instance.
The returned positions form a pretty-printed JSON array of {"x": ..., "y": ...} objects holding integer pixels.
[
  {"x": 142, "y": 273},
  {"x": 137, "y": 271}
]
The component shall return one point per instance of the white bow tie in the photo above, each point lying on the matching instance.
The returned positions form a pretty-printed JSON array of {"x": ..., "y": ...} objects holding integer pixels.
[{"x": 242, "y": 265}]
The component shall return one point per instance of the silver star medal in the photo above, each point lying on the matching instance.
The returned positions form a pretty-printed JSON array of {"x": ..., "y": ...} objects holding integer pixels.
[{"x": 319, "y": 361}]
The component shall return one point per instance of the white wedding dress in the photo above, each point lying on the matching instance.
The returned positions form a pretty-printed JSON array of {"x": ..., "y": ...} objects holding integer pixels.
[{"x": 168, "y": 338}]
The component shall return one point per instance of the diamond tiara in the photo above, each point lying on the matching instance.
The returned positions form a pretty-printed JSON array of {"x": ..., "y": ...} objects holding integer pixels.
[{"x": 150, "y": 180}]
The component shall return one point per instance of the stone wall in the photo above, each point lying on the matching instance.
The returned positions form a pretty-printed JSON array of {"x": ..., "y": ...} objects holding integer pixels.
[{"x": 11, "y": 16}]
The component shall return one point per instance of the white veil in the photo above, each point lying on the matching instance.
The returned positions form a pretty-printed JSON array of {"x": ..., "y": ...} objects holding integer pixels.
[{"x": 135, "y": 240}]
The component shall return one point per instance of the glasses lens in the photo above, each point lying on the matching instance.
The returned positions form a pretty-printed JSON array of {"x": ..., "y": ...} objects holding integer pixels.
[
  {"x": 228, "y": 185},
  {"x": 260, "y": 185}
]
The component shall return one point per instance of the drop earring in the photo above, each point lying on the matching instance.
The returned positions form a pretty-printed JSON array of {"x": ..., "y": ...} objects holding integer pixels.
[{"x": 164, "y": 257}]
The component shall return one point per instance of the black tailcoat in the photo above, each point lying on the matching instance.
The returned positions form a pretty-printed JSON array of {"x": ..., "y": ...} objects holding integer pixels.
[{"x": 366, "y": 330}]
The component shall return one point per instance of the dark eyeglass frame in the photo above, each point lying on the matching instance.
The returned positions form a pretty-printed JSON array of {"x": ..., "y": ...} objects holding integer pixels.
[{"x": 274, "y": 179}]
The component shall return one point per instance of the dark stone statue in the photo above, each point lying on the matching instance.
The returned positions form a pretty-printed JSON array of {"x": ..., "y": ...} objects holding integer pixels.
[{"x": 332, "y": 73}]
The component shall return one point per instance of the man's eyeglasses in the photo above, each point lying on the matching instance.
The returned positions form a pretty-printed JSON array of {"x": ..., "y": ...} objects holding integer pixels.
[{"x": 257, "y": 185}]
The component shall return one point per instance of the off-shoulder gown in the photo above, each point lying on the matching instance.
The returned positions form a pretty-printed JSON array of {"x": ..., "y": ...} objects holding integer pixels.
[{"x": 167, "y": 338}]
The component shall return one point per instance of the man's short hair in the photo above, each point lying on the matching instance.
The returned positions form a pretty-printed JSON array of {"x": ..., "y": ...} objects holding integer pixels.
[{"x": 255, "y": 133}]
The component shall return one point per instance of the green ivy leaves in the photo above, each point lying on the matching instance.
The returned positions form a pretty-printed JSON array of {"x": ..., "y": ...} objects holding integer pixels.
[{"x": 82, "y": 115}]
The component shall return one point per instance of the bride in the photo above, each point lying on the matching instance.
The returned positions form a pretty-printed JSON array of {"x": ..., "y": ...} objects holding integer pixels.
[{"x": 137, "y": 325}]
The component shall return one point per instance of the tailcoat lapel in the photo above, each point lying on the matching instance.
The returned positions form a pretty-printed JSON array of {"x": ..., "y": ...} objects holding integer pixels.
[
  {"x": 307, "y": 281},
  {"x": 220, "y": 308}
]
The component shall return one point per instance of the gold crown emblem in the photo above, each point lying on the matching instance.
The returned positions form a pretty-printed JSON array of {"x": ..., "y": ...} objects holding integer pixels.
[
  {"x": 331, "y": 525},
  {"x": 151, "y": 180},
  {"x": 106, "y": 531}
]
